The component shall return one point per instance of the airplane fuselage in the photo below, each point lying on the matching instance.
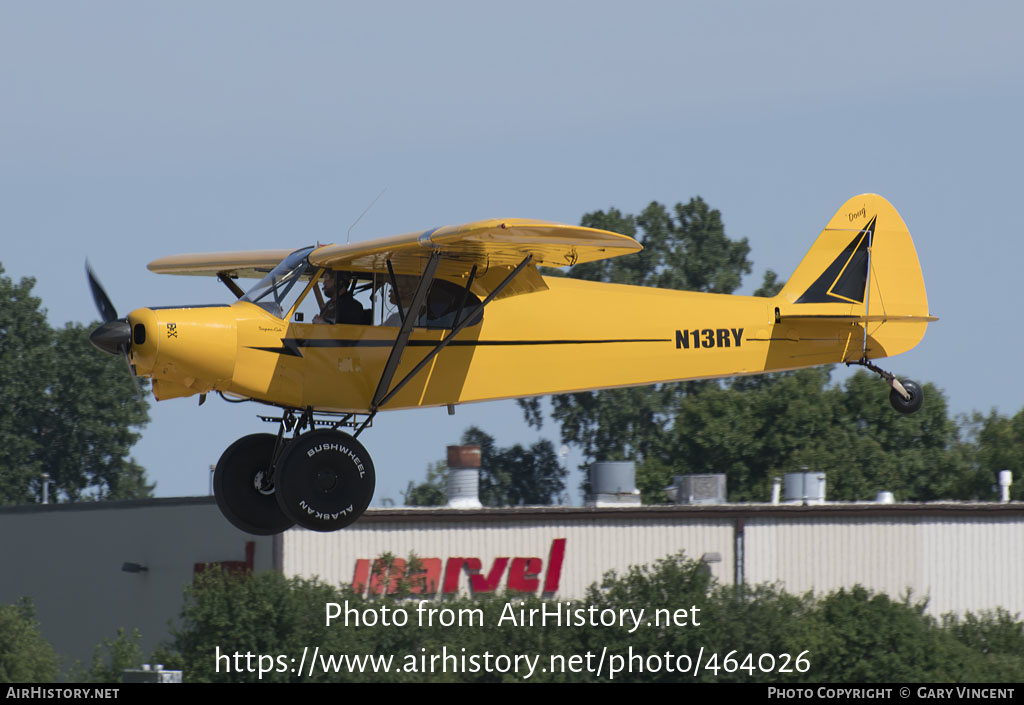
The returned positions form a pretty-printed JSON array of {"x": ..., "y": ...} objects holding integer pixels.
[{"x": 576, "y": 335}]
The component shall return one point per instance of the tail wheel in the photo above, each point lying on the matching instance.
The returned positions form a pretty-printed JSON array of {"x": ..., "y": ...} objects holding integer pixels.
[
  {"x": 907, "y": 406},
  {"x": 244, "y": 495},
  {"x": 325, "y": 480}
]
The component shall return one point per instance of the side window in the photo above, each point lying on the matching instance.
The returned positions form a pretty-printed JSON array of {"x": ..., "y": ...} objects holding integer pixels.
[
  {"x": 357, "y": 298},
  {"x": 339, "y": 297},
  {"x": 443, "y": 304},
  {"x": 443, "y": 301}
]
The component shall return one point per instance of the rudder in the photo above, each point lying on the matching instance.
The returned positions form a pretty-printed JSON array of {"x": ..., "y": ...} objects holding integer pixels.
[{"x": 862, "y": 268}]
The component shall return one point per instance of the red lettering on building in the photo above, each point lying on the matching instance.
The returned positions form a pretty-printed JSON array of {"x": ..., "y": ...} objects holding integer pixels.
[
  {"x": 454, "y": 570},
  {"x": 426, "y": 582},
  {"x": 395, "y": 574},
  {"x": 523, "y": 574},
  {"x": 555, "y": 559},
  {"x": 231, "y": 567},
  {"x": 489, "y": 584}
]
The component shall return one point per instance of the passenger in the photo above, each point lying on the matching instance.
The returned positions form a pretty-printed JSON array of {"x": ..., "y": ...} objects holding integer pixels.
[{"x": 406, "y": 290}]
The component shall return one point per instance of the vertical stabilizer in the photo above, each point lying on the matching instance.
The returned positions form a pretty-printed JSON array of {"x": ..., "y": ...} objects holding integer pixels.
[{"x": 862, "y": 267}]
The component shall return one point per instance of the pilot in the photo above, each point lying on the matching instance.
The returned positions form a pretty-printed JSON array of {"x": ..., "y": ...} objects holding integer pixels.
[{"x": 340, "y": 305}]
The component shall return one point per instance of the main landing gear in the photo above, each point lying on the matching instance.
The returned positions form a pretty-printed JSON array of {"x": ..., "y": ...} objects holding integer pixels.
[
  {"x": 906, "y": 396},
  {"x": 321, "y": 479}
]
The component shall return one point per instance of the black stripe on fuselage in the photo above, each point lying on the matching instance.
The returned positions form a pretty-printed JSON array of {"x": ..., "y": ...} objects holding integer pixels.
[{"x": 290, "y": 346}]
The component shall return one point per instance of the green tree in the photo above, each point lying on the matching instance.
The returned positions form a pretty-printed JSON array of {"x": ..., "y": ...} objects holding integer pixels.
[
  {"x": 65, "y": 409},
  {"x": 998, "y": 443},
  {"x": 25, "y": 365},
  {"x": 684, "y": 248},
  {"x": 25, "y": 656},
  {"x": 756, "y": 429},
  {"x": 749, "y": 433},
  {"x": 517, "y": 475},
  {"x": 508, "y": 476},
  {"x": 113, "y": 657},
  {"x": 995, "y": 638},
  {"x": 432, "y": 492},
  {"x": 850, "y": 635},
  {"x": 872, "y": 638},
  {"x": 919, "y": 457},
  {"x": 264, "y": 613}
]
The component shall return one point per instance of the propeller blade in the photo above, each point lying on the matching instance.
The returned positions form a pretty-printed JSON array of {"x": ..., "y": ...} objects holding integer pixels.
[
  {"x": 114, "y": 335},
  {"x": 107, "y": 311},
  {"x": 131, "y": 373}
]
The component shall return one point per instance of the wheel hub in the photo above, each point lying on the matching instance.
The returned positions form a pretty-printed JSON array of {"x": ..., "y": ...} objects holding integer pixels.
[
  {"x": 264, "y": 488},
  {"x": 326, "y": 480}
]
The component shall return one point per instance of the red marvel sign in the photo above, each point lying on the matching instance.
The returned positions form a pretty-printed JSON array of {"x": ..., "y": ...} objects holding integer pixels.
[{"x": 520, "y": 574}]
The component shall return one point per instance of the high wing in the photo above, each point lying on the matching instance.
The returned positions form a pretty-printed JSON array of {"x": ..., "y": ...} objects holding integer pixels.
[
  {"x": 253, "y": 264},
  {"x": 494, "y": 247}
]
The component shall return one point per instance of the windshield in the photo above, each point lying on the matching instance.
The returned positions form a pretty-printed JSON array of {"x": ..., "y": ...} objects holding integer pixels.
[{"x": 273, "y": 288}]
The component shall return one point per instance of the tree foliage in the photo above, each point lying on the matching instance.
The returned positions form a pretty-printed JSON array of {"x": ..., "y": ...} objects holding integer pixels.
[
  {"x": 850, "y": 635},
  {"x": 684, "y": 248},
  {"x": 25, "y": 656},
  {"x": 432, "y": 492},
  {"x": 517, "y": 475},
  {"x": 509, "y": 477},
  {"x": 264, "y": 613},
  {"x": 111, "y": 658},
  {"x": 66, "y": 409},
  {"x": 999, "y": 443},
  {"x": 754, "y": 429}
]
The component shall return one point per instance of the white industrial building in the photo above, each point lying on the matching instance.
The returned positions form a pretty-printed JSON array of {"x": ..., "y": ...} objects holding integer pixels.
[{"x": 93, "y": 567}]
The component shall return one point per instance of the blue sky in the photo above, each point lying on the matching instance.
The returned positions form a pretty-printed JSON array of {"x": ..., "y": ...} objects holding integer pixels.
[{"x": 130, "y": 130}]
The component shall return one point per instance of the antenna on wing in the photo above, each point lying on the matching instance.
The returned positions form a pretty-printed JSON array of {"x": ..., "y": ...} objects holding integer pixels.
[{"x": 348, "y": 234}]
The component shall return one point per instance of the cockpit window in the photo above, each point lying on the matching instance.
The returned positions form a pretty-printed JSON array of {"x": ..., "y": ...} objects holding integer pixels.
[
  {"x": 270, "y": 292},
  {"x": 443, "y": 303},
  {"x": 276, "y": 293}
]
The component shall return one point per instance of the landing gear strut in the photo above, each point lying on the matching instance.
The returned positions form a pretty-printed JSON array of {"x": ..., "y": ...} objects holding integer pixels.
[
  {"x": 906, "y": 396},
  {"x": 322, "y": 479}
]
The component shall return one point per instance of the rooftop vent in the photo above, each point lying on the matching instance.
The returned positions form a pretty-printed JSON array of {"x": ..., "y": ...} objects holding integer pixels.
[
  {"x": 804, "y": 487},
  {"x": 464, "y": 477},
  {"x": 697, "y": 489},
  {"x": 613, "y": 484}
]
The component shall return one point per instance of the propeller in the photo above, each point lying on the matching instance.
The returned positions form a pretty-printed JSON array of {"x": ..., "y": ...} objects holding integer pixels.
[
  {"x": 106, "y": 309},
  {"x": 114, "y": 335}
]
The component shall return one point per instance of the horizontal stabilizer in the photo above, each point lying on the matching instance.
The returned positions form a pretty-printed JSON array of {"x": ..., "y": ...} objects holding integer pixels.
[{"x": 857, "y": 319}]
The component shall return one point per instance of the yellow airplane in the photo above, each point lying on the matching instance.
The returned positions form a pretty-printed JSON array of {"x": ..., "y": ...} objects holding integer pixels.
[{"x": 472, "y": 319}]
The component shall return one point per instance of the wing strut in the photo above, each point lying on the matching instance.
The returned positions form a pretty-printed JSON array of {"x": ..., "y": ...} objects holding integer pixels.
[
  {"x": 227, "y": 281},
  {"x": 465, "y": 295},
  {"x": 418, "y": 299},
  {"x": 382, "y": 396},
  {"x": 455, "y": 331}
]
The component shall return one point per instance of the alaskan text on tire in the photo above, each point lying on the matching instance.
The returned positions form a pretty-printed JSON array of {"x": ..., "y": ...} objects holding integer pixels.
[{"x": 324, "y": 480}]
